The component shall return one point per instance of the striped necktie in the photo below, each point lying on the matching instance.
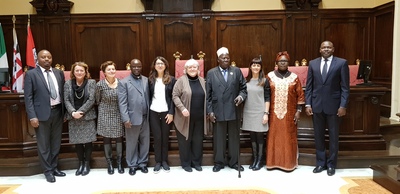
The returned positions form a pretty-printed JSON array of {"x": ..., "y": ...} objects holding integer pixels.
[{"x": 52, "y": 88}]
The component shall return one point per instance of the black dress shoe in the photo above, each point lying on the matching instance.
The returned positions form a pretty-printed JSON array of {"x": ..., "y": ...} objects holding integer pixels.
[
  {"x": 319, "y": 169},
  {"x": 198, "y": 168},
  {"x": 58, "y": 173},
  {"x": 236, "y": 167},
  {"x": 187, "y": 169},
  {"x": 157, "y": 168},
  {"x": 50, "y": 178},
  {"x": 331, "y": 171},
  {"x": 144, "y": 169},
  {"x": 132, "y": 171},
  {"x": 165, "y": 166},
  {"x": 217, "y": 168}
]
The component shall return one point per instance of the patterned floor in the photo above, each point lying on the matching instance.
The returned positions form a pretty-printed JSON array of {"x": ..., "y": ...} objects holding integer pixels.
[{"x": 177, "y": 181}]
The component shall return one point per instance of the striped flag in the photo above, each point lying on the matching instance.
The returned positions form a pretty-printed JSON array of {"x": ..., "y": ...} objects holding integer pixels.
[
  {"x": 31, "y": 56},
  {"x": 3, "y": 53},
  {"x": 18, "y": 75}
]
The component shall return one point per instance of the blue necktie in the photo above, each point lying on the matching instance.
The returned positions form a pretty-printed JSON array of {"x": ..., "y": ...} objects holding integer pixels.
[
  {"x": 324, "y": 70},
  {"x": 52, "y": 88},
  {"x": 225, "y": 74}
]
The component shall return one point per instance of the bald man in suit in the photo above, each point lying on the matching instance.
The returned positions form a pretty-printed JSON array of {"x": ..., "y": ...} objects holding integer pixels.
[
  {"x": 327, "y": 96},
  {"x": 46, "y": 112},
  {"x": 133, "y": 97}
]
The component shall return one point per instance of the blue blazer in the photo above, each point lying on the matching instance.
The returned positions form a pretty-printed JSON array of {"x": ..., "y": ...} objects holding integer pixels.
[
  {"x": 37, "y": 94},
  {"x": 328, "y": 96}
]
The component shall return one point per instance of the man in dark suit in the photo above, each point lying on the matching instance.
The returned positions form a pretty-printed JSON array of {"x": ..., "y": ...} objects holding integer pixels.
[
  {"x": 43, "y": 92},
  {"x": 226, "y": 89},
  {"x": 133, "y": 97},
  {"x": 327, "y": 94}
]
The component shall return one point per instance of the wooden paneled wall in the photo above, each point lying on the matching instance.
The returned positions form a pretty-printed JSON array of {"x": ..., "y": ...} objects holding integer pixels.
[{"x": 95, "y": 38}]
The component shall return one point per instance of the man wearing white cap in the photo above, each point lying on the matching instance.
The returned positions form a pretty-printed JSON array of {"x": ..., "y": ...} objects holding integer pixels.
[{"x": 226, "y": 89}]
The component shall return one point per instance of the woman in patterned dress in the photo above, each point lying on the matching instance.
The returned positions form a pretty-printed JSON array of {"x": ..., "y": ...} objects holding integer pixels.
[
  {"x": 287, "y": 98},
  {"x": 109, "y": 123},
  {"x": 79, "y": 102},
  {"x": 256, "y": 110}
]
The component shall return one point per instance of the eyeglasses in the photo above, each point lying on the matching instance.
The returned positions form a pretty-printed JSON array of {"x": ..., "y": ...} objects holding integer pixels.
[
  {"x": 160, "y": 64},
  {"x": 283, "y": 61}
]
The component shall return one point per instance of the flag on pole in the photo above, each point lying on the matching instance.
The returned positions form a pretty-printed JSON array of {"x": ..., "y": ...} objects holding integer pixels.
[
  {"x": 3, "y": 53},
  {"x": 18, "y": 75},
  {"x": 31, "y": 56}
]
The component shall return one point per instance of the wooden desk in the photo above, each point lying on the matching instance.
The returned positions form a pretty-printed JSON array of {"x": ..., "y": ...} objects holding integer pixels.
[
  {"x": 17, "y": 136},
  {"x": 359, "y": 129}
]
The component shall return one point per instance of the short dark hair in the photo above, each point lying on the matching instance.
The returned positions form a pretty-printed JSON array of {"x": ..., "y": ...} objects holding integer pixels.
[{"x": 106, "y": 64}]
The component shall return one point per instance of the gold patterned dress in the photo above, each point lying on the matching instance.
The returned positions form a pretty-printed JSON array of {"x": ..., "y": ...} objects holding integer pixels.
[{"x": 282, "y": 147}]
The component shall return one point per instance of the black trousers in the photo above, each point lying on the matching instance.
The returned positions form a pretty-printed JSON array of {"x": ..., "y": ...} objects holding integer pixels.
[
  {"x": 321, "y": 122},
  {"x": 191, "y": 149},
  {"x": 221, "y": 129},
  {"x": 160, "y": 130},
  {"x": 48, "y": 136}
]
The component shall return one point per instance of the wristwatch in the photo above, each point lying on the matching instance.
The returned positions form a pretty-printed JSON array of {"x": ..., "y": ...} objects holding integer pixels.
[{"x": 266, "y": 113}]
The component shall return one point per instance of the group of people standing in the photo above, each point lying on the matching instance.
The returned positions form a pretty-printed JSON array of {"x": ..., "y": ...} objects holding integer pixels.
[
  {"x": 132, "y": 106},
  {"x": 281, "y": 94}
]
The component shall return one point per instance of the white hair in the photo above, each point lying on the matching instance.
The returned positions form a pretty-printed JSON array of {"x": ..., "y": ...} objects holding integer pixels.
[{"x": 191, "y": 62}]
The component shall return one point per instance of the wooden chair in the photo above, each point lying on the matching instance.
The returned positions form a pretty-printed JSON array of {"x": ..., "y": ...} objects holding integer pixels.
[
  {"x": 179, "y": 71},
  {"x": 67, "y": 74},
  {"x": 120, "y": 74},
  {"x": 353, "y": 70},
  {"x": 244, "y": 70},
  {"x": 180, "y": 64},
  {"x": 302, "y": 71}
]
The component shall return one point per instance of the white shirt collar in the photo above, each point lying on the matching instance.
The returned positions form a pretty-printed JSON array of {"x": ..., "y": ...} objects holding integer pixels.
[
  {"x": 220, "y": 69},
  {"x": 44, "y": 70},
  {"x": 329, "y": 58}
]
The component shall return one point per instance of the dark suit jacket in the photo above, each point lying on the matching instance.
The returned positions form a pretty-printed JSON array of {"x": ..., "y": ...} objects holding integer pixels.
[
  {"x": 221, "y": 94},
  {"x": 328, "y": 96},
  {"x": 130, "y": 99},
  {"x": 37, "y": 93},
  {"x": 168, "y": 94}
]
